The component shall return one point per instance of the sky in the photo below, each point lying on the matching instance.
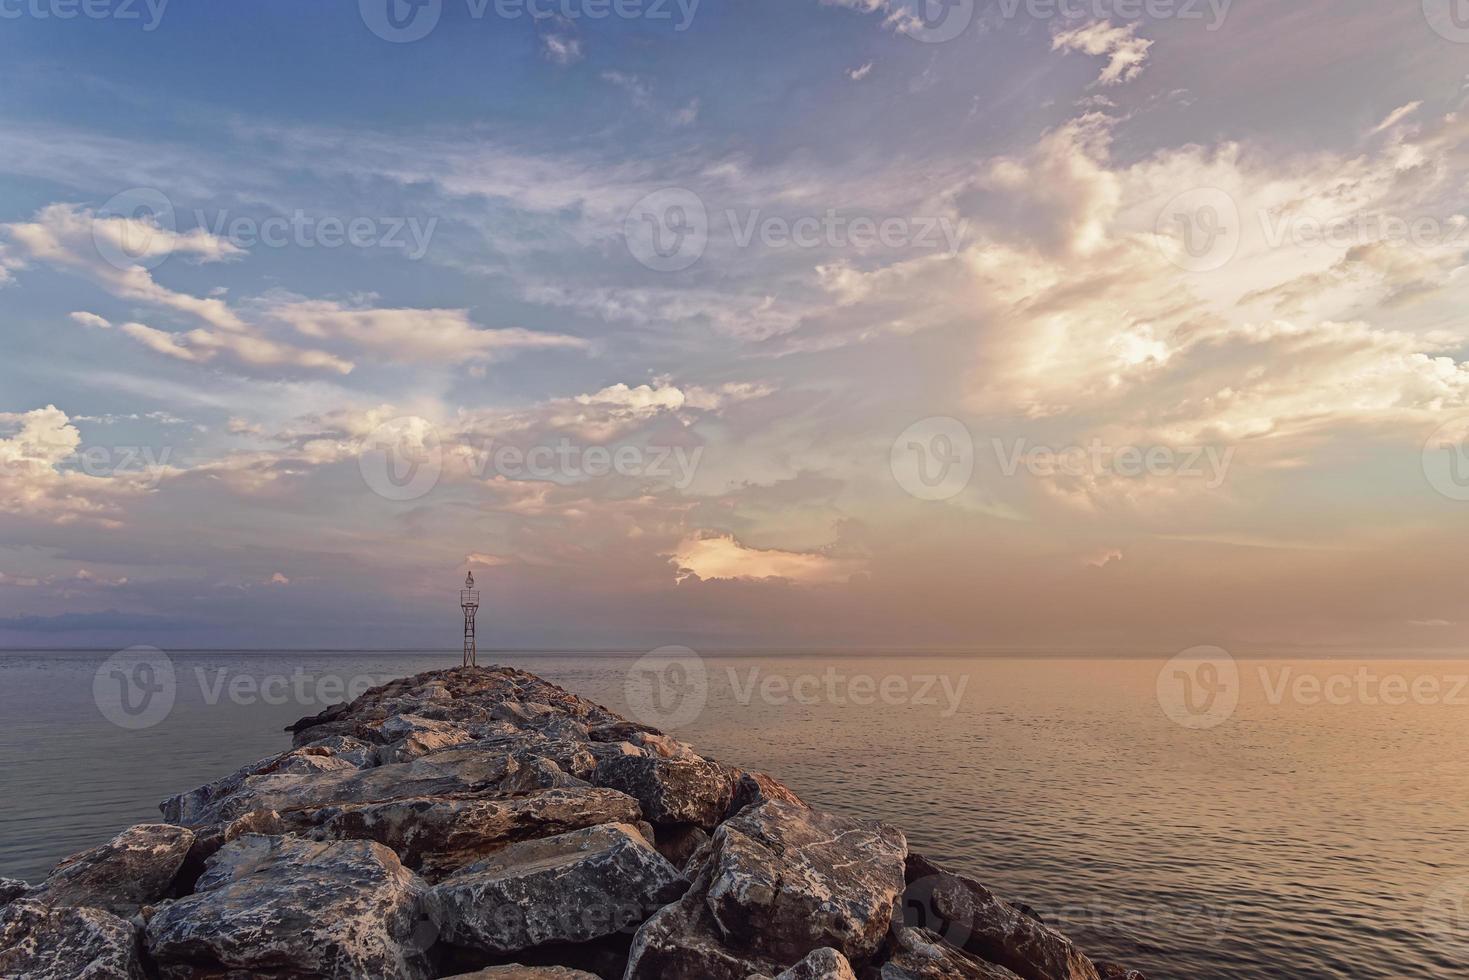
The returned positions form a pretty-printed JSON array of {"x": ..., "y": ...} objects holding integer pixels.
[{"x": 1079, "y": 325}]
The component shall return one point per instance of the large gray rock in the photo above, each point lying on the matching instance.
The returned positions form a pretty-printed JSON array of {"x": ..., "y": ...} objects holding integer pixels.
[
  {"x": 570, "y": 888},
  {"x": 464, "y": 769},
  {"x": 822, "y": 964},
  {"x": 968, "y": 915},
  {"x": 135, "y": 868},
  {"x": 672, "y": 791},
  {"x": 44, "y": 942},
  {"x": 281, "y": 906},
  {"x": 775, "y": 883},
  {"x": 517, "y": 972},
  {"x": 921, "y": 955},
  {"x": 199, "y": 807},
  {"x": 11, "y": 889},
  {"x": 437, "y": 835}
]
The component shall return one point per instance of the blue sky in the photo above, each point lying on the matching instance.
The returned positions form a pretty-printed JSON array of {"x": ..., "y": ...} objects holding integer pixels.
[{"x": 197, "y": 388}]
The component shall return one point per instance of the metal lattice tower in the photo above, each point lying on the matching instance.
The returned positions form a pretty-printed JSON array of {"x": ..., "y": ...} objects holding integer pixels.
[{"x": 469, "y": 602}]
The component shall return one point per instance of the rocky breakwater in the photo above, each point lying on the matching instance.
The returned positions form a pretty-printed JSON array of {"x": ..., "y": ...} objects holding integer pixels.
[{"x": 485, "y": 823}]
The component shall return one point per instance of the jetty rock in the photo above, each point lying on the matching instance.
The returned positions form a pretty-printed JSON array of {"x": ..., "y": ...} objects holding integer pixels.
[{"x": 485, "y": 823}]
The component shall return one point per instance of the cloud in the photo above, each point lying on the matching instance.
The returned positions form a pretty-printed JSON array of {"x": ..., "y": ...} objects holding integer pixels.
[
  {"x": 720, "y": 556},
  {"x": 1396, "y": 116},
  {"x": 1126, "y": 53},
  {"x": 859, "y": 73},
  {"x": 90, "y": 320},
  {"x": 446, "y": 336},
  {"x": 562, "y": 49},
  {"x": 33, "y": 482}
]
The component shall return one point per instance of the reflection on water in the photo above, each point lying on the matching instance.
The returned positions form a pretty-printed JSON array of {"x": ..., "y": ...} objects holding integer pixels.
[{"x": 1316, "y": 830}]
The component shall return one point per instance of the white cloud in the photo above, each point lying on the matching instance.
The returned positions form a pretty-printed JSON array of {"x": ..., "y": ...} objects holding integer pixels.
[
  {"x": 1126, "y": 53},
  {"x": 561, "y": 49},
  {"x": 720, "y": 556},
  {"x": 859, "y": 73},
  {"x": 91, "y": 320},
  {"x": 33, "y": 482},
  {"x": 447, "y": 336}
]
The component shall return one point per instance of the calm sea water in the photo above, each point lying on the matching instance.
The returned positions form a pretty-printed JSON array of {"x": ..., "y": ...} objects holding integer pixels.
[{"x": 1317, "y": 832}]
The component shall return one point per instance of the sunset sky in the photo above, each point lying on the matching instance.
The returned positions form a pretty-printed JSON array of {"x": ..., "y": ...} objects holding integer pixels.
[{"x": 1231, "y": 241}]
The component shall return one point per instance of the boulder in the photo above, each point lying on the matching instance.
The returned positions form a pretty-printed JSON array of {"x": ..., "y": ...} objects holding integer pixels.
[
  {"x": 573, "y": 888},
  {"x": 11, "y": 889},
  {"x": 1116, "y": 971},
  {"x": 45, "y": 942},
  {"x": 755, "y": 788},
  {"x": 822, "y": 964},
  {"x": 774, "y": 884},
  {"x": 968, "y": 915},
  {"x": 409, "y": 737},
  {"x": 437, "y": 835},
  {"x": 291, "y": 907},
  {"x": 135, "y": 868},
  {"x": 921, "y": 955},
  {"x": 198, "y": 807},
  {"x": 672, "y": 791},
  {"x": 679, "y": 843},
  {"x": 517, "y": 972}
]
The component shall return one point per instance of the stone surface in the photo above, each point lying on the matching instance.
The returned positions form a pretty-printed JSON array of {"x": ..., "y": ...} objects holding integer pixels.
[
  {"x": 679, "y": 842},
  {"x": 543, "y": 829},
  {"x": 775, "y": 883},
  {"x": 822, "y": 964},
  {"x": 755, "y": 788},
  {"x": 135, "y": 868},
  {"x": 437, "y": 835},
  {"x": 517, "y": 972},
  {"x": 968, "y": 915},
  {"x": 200, "y": 806},
  {"x": 11, "y": 889},
  {"x": 921, "y": 955},
  {"x": 43, "y": 942},
  {"x": 570, "y": 888},
  {"x": 672, "y": 791},
  {"x": 1115, "y": 971},
  {"x": 290, "y": 907}
]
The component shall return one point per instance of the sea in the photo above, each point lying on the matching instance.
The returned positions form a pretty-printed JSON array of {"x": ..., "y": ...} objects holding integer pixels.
[{"x": 1201, "y": 819}]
